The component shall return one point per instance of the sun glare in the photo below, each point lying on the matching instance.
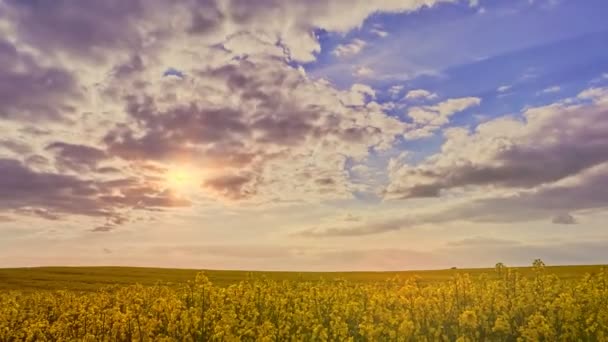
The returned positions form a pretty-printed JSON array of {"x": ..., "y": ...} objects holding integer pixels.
[{"x": 182, "y": 178}]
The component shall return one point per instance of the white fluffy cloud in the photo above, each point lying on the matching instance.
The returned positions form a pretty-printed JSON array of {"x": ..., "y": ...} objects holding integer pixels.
[
  {"x": 550, "y": 144},
  {"x": 363, "y": 72},
  {"x": 550, "y": 90},
  {"x": 235, "y": 108},
  {"x": 503, "y": 88},
  {"x": 350, "y": 49},
  {"x": 420, "y": 94},
  {"x": 429, "y": 119}
]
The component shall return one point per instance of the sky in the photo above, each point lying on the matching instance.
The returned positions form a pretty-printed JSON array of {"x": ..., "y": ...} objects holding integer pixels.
[{"x": 317, "y": 135}]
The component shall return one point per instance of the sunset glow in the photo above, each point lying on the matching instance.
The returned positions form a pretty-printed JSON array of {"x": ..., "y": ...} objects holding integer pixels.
[
  {"x": 183, "y": 179},
  {"x": 317, "y": 135}
]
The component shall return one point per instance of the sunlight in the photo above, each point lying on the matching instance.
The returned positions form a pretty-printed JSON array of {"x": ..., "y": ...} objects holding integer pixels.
[{"x": 182, "y": 178}]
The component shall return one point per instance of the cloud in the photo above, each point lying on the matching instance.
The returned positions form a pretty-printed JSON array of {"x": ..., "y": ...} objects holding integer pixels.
[
  {"x": 503, "y": 88},
  {"x": 429, "y": 119},
  {"x": 53, "y": 195},
  {"x": 600, "y": 79},
  {"x": 379, "y": 32},
  {"x": 258, "y": 110},
  {"x": 351, "y": 218},
  {"x": 4, "y": 219},
  {"x": 361, "y": 229},
  {"x": 350, "y": 49},
  {"x": 549, "y": 144},
  {"x": 521, "y": 206},
  {"x": 550, "y": 90},
  {"x": 76, "y": 28},
  {"x": 363, "y": 72},
  {"x": 564, "y": 218},
  {"x": 40, "y": 212},
  {"x": 76, "y": 157},
  {"x": 256, "y": 113},
  {"x": 537, "y": 204},
  {"x": 259, "y": 128},
  {"x": 16, "y": 147},
  {"x": 29, "y": 90},
  {"x": 438, "y": 114},
  {"x": 111, "y": 223},
  {"x": 594, "y": 94},
  {"x": 233, "y": 186},
  {"x": 479, "y": 241},
  {"x": 84, "y": 29},
  {"x": 103, "y": 229},
  {"x": 395, "y": 90},
  {"x": 420, "y": 94},
  {"x": 508, "y": 170}
]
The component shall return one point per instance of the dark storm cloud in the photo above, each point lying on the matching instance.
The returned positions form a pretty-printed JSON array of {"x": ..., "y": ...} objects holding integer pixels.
[
  {"x": 52, "y": 195},
  {"x": 567, "y": 143}
]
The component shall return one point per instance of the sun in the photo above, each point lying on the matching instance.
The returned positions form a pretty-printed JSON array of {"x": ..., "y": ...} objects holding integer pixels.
[{"x": 182, "y": 178}]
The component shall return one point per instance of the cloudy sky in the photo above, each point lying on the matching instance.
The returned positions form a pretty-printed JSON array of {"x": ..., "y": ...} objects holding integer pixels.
[{"x": 303, "y": 135}]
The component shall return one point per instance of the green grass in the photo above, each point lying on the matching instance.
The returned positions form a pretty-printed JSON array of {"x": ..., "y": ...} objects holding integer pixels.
[{"x": 93, "y": 278}]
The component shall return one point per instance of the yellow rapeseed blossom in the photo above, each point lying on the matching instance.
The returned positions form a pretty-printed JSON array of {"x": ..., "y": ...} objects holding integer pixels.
[{"x": 512, "y": 308}]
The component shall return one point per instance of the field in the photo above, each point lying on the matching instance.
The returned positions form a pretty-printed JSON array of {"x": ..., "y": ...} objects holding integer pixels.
[
  {"x": 94, "y": 278},
  {"x": 567, "y": 303}
]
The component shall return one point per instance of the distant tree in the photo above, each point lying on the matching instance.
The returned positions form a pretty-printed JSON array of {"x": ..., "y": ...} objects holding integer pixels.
[
  {"x": 499, "y": 268},
  {"x": 538, "y": 264}
]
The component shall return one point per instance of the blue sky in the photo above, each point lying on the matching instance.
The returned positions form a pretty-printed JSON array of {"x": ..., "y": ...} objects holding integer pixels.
[
  {"x": 511, "y": 54},
  {"x": 525, "y": 45},
  {"x": 291, "y": 135}
]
